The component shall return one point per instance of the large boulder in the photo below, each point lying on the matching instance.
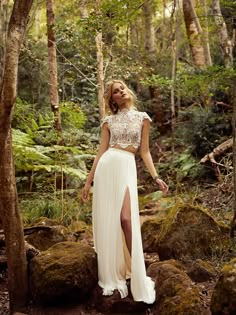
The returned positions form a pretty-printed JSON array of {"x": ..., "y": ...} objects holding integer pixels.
[
  {"x": 223, "y": 301},
  {"x": 43, "y": 238},
  {"x": 44, "y": 233},
  {"x": 66, "y": 272},
  {"x": 188, "y": 232},
  {"x": 175, "y": 292}
]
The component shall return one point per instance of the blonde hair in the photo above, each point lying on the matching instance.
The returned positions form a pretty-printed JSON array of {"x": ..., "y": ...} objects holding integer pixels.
[{"x": 109, "y": 105}]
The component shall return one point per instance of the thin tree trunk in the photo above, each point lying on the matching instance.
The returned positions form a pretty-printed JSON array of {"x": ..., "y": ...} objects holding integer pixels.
[
  {"x": 100, "y": 75},
  {"x": 52, "y": 64},
  {"x": 205, "y": 33},
  {"x": 83, "y": 9},
  {"x": 226, "y": 43},
  {"x": 9, "y": 207},
  {"x": 233, "y": 222},
  {"x": 149, "y": 39},
  {"x": 3, "y": 33},
  {"x": 174, "y": 45},
  {"x": 193, "y": 29}
]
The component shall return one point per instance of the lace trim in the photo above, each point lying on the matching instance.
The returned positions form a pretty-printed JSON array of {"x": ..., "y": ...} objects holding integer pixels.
[{"x": 126, "y": 127}]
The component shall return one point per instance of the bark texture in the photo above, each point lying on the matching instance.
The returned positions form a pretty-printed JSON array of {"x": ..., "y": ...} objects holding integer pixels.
[
  {"x": 149, "y": 38},
  {"x": 100, "y": 75},
  {"x": 9, "y": 208},
  {"x": 52, "y": 64},
  {"x": 3, "y": 33},
  {"x": 193, "y": 30},
  {"x": 226, "y": 43}
]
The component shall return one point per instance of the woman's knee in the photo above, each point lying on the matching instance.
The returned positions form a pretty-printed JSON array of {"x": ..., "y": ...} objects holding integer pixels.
[{"x": 126, "y": 222}]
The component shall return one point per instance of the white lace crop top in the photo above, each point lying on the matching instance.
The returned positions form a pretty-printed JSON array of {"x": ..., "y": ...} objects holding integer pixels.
[{"x": 125, "y": 127}]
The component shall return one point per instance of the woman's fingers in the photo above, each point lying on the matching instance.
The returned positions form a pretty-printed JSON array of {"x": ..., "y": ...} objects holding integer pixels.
[
  {"x": 163, "y": 186},
  {"x": 85, "y": 195}
]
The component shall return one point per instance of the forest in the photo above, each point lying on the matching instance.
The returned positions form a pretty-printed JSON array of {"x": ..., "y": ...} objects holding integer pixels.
[{"x": 179, "y": 58}]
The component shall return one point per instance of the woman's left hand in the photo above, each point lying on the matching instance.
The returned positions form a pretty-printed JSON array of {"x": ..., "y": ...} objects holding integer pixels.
[{"x": 163, "y": 186}]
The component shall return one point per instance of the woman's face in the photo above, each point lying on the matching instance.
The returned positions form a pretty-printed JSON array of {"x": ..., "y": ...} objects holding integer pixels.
[{"x": 120, "y": 94}]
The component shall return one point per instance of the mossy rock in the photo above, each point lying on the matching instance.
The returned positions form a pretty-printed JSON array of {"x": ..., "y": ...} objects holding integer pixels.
[
  {"x": 44, "y": 239},
  {"x": 66, "y": 272},
  {"x": 223, "y": 299},
  {"x": 175, "y": 292},
  {"x": 44, "y": 221},
  {"x": 189, "y": 232},
  {"x": 201, "y": 271}
]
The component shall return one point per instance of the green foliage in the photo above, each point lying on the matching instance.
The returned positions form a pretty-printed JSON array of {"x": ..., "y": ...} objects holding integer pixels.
[
  {"x": 202, "y": 129},
  {"x": 198, "y": 85},
  {"x": 72, "y": 115},
  {"x": 53, "y": 206}
]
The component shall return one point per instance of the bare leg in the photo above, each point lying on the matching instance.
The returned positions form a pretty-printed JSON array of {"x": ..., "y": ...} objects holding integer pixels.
[{"x": 126, "y": 220}]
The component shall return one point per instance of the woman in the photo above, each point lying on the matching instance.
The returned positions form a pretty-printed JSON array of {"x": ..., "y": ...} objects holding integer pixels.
[{"x": 116, "y": 226}]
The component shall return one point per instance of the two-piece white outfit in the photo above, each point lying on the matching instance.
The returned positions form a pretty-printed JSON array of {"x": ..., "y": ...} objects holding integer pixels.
[{"x": 115, "y": 173}]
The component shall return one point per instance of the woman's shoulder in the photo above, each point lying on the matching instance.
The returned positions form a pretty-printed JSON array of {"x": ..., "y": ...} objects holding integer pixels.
[{"x": 141, "y": 115}]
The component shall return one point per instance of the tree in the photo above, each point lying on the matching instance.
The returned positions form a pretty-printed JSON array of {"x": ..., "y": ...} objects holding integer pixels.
[
  {"x": 52, "y": 64},
  {"x": 9, "y": 207},
  {"x": 3, "y": 32},
  {"x": 226, "y": 43},
  {"x": 149, "y": 31},
  {"x": 100, "y": 75},
  {"x": 205, "y": 33},
  {"x": 193, "y": 30}
]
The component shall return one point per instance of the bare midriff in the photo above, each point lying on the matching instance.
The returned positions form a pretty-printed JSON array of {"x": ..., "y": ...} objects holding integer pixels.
[{"x": 129, "y": 148}]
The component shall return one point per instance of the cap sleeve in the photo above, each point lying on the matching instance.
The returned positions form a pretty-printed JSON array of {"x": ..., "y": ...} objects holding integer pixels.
[
  {"x": 146, "y": 116},
  {"x": 105, "y": 120}
]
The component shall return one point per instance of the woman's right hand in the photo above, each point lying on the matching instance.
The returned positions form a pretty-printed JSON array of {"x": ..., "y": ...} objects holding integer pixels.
[{"x": 85, "y": 193}]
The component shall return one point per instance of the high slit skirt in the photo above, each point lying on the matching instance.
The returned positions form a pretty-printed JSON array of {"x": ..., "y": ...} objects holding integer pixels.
[{"x": 115, "y": 174}]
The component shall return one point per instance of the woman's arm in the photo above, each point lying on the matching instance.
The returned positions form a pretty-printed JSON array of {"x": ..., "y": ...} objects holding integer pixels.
[
  {"x": 147, "y": 158},
  {"x": 105, "y": 137}
]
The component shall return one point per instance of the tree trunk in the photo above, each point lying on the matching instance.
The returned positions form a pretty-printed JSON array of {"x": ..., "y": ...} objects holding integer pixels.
[
  {"x": 205, "y": 33},
  {"x": 226, "y": 43},
  {"x": 3, "y": 33},
  {"x": 83, "y": 9},
  {"x": 100, "y": 75},
  {"x": 193, "y": 30},
  {"x": 52, "y": 64},
  {"x": 149, "y": 31},
  {"x": 233, "y": 222},
  {"x": 9, "y": 207}
]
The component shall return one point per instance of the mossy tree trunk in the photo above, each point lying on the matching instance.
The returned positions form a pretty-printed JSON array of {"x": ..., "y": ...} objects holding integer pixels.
[
  {"x": 9, "y": 207},
  {"x": 52, "y": 64},
  {"x": 193, "y": 30}
]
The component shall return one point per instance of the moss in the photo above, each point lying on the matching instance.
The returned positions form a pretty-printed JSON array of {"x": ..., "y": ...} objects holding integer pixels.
[
  {"x": 185, "y": 225},
  {"x": 65, "y": 271}
]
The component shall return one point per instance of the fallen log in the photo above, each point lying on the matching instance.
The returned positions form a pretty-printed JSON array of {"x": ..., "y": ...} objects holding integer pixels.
[{"x": 218, "y": 151}]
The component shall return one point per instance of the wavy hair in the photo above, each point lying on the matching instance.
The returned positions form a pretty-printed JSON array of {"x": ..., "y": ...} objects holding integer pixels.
[{"x": 110, "y": 106}]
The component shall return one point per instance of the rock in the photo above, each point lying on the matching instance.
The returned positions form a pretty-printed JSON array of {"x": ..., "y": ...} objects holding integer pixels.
[
  {"x": 43, "y": 239},
  {"x": 82, "y": 232},
  {"x": 113, "y": 304},
  {"x": 187, "y": 233},
  {"x": 201, "y": 271},
  {"x": 175, "y": 292},
  {"x": 45, "y": 221},
  {"x": 223, "y": 301},
  {"x": 66, "y": 272}
]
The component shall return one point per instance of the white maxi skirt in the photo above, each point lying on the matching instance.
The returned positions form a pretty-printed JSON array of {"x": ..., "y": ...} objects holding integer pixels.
[{"x": 115, "y": 173}]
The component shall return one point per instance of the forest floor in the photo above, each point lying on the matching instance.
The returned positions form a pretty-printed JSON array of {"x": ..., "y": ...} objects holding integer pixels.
[{"x": 217, "y": 198}]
